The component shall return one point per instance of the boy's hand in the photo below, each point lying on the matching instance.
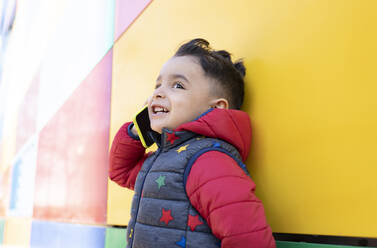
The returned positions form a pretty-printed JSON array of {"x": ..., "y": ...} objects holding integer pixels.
[
  {"x": 134, "y": 132},
  {"x": 133, "y": 129}
]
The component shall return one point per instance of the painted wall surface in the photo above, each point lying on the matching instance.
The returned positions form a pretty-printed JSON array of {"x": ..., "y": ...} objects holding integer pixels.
[
  {"x": 310, "y": 87},
  {"x": 75, "y": 71}
]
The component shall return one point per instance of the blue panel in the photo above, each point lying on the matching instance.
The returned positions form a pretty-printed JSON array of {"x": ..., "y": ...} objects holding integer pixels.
[
  {"x": 15, "y": 183},
  {"x": 23, "y": 178},
  {"x": 58, "y": 235}
]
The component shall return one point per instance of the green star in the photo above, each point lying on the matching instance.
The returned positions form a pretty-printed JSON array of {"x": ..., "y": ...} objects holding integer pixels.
[{"x": 160, "y": 181}]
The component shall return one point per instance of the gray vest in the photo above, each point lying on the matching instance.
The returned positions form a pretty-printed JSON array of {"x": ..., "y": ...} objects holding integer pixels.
[{"x": 161, "y": 214}]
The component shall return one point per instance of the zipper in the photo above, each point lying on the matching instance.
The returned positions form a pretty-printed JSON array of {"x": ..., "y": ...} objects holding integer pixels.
[{"x": 139, "y": 198}]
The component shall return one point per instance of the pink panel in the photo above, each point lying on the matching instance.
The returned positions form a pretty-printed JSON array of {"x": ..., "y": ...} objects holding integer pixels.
[
  {"x": 126, "y": 12},
  {"x": 72, "y": 160},
  {"x": 27, "y": 114}
]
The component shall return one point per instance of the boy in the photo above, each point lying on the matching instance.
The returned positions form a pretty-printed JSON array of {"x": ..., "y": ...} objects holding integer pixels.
[{"x": 194, "y": 191}]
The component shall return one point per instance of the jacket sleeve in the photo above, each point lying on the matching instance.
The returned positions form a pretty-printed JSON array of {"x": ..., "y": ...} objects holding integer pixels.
[
  {"x": 224, "y": 195},
  {"x": 127, "y": 155}
]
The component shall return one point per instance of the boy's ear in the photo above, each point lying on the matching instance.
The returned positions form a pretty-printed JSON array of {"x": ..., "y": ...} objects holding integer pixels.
[{"x": 220, "y": 103}]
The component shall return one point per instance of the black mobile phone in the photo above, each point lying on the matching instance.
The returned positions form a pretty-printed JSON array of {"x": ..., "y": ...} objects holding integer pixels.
[{"x": 143, "y": 127}]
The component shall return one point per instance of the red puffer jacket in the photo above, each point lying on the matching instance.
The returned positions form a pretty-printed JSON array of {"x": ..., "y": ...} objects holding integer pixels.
[{"x": 221, "y": 192}]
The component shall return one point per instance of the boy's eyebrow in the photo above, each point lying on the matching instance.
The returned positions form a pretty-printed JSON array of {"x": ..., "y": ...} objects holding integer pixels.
[{"x": 174, "y": 76}]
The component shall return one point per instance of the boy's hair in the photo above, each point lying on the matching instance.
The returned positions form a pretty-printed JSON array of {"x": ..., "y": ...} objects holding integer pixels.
[{"x": 219, "y": 66}]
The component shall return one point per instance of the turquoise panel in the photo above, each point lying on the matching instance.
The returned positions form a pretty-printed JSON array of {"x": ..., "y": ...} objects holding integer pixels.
[
  {"x": 286, "y": 244},
  {"x": 1, "y": 230},
  {"x": 116, "y": 237}
]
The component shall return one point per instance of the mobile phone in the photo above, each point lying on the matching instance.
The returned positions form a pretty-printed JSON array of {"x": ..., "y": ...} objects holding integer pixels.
[{"x": 143, "y": 127}]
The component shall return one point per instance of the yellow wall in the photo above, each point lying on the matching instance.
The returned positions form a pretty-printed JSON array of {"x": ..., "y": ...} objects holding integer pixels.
[
  {"x": 310, "y": 93},
  {"x": 17, "y": 232}
]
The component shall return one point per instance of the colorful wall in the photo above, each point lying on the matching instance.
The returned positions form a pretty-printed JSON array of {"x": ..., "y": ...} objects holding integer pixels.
[{"x": 74, "y": 71}]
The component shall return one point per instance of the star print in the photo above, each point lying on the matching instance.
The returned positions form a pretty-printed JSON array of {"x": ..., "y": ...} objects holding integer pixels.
[
  {"x": 172, "y": 137},
  {"x": 166, "y": 216},
  {"x": 160, "y": 181},
  {"x": 199, "y": 138},
  {"x": 182, "y": 148},
  {"x": 193, "y": 221},
  {"x": 131, "y": 233},
  {"x": 182, "y": 242},
  {"x": 216, "y": 145}
]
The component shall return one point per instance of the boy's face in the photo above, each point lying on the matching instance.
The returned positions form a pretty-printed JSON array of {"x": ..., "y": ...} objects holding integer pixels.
[{"x": 182, "y": 93}]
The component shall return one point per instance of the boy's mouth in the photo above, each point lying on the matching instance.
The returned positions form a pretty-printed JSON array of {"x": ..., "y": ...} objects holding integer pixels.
[{"x": 159, "y": 110}]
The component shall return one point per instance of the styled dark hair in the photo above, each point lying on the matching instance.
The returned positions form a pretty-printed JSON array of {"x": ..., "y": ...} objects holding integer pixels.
[{"x": 219, "y": 66}]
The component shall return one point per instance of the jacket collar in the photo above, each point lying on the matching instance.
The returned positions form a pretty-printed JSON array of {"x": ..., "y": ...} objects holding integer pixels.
[
  {"x": 171, "y": 138},
  {"x": 229, "y": 125}
]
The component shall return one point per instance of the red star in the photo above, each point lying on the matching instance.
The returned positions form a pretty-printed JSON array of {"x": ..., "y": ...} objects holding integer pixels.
[
  {"x": 172, "y": 137},
  {"x": 193, "y": 222},
  {"x": 166, "y": 216}
]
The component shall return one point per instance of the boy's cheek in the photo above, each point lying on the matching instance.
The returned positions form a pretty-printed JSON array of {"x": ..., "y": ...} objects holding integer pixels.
[{"x": 148, "y": 101}]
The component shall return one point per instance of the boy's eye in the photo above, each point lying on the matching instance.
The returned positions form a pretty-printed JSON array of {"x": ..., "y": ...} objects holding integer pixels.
[{"x": 178, "y": 85}]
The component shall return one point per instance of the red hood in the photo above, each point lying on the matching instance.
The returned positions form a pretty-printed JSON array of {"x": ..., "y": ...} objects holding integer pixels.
[{"x": 232, "y": 126}]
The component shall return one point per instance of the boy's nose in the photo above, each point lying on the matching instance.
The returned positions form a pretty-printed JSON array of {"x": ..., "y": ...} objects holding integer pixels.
[{"x": 158, "y": 93}]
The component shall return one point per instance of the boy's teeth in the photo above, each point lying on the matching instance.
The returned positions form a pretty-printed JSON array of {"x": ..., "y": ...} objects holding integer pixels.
[{"x": 160, "y": 109}]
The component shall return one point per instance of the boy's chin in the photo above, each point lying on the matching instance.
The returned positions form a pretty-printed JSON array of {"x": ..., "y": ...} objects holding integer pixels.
[{"x": 156, "y": 129}]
